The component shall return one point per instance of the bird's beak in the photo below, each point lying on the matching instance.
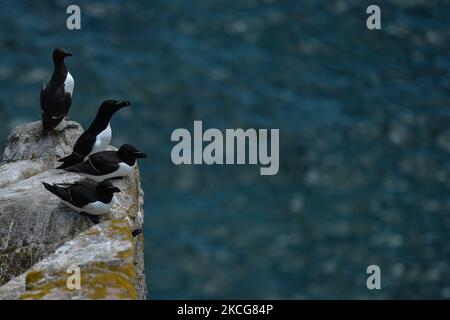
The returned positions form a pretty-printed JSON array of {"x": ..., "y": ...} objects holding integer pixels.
[
  {"x": 68, "y": 54},
  {"x": 122, "y": 104},
  {"x": 140, "y": 155},
  {"x": 115, "y": 189}
]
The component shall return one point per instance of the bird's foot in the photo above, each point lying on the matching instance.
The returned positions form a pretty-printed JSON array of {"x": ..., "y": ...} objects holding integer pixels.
[
  {"x": 71, "y": 125},
  {"x": 94, "y": 219},
  {"x": 115, "y": 179},
  {"x": 136, "y": 232}
]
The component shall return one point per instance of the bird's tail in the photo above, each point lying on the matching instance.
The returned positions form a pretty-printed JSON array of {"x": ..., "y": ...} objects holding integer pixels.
[
  {"x": 56, "y": 190},
  {"x": 45, "y": 130},
  {"x": 46, "y": 126},
  {"x": 70, "y": 160},
  {"x": 50, "y": 187}
]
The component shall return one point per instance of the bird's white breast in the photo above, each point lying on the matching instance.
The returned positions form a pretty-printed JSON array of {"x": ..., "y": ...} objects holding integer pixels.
[
  {"x": 68, "y": 84},
  {"x": 102, "y": 140},
  {"x": 122, "y": 171},
  {"x": 62, "y": 125},
  {"x": 98, "y": 208},
  {"x": 95, "y": 208}
]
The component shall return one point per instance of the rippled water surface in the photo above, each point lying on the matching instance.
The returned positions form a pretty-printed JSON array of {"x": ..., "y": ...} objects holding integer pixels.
[{"x": 364, "y": 136}]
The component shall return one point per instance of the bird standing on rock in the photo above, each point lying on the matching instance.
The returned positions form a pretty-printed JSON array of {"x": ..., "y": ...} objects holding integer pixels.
[
  {"x": 86, "y": 197},
  {"x": 97, "y": 137},
  {"x": 105, "y": 165},
  {"x": 56, "y": 96}
]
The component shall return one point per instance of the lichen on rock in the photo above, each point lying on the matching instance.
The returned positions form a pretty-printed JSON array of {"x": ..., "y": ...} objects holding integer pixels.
[{"x": 40, "y": 238}]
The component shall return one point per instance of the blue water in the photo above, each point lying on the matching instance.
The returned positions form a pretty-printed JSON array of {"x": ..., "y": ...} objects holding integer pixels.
[{"x": 364, "y": 136}]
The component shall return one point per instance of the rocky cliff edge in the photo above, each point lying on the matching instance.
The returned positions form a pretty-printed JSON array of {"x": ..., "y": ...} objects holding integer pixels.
[{"x": 42, "y": 242}]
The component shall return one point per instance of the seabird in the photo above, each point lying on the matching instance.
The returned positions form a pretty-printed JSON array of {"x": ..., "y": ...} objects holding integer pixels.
[
  {"x": 56, "y": 96},
  {"x": 86, "y": 197},
  {"x": 97, "y": 137},
  {"x": 105, "y": 165}
]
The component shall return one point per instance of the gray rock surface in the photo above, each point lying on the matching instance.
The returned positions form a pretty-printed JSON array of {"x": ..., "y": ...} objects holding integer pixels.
[{"x": 33, "y": 224}]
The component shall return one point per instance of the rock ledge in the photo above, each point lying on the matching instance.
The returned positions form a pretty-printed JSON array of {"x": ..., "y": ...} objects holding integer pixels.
[{"x": 41, "y": 240}]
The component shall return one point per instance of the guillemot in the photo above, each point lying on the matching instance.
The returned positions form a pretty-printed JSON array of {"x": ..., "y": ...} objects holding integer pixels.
[
  {"x": 86, "y": 197},
  {"x": 56, "y": 95},
  {"x": 97, "y": 137},
  {"x": 105, "y": 165}
]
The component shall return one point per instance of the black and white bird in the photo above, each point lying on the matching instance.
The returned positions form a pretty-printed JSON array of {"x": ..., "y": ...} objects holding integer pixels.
[
  {"x": 97, "y": 137},
  {"x": 105, "y": 165},
  {"x": 86, "y": 197},
  {"x": 56, "y": 95}
]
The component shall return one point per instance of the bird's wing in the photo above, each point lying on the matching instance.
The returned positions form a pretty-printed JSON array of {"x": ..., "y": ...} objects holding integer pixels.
[
  {"x": 84, "y": 144},
  {"x": 98, "y": 164},
  {"x": 43, "y": 97},
  {"x": 61, "y": 192},
  {"x": 53, "y": 112},
  {"x": 69, "y": 184},
  {"x": 79, "y": 194},
  {"x": 66, "y": 102},
  {"x": 82, "y": 193}
]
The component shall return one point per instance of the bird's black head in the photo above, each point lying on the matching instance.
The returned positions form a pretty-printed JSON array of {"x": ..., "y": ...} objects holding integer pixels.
[
  {"x": 105, "y": 113},
  {"x": 129, "y": 154},
  {"x": 109, "y": 107},
  {"x": 106, "y": 191},
  {"x": 59, "y": 54}
]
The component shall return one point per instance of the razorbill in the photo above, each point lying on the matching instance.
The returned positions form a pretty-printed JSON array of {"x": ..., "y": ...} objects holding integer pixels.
[
  {"x": 105, "y": 165},
  {"x": 56, "y": 96},
  {"x": 86, "y": 197},
  {"x": 97, "y": 137}
]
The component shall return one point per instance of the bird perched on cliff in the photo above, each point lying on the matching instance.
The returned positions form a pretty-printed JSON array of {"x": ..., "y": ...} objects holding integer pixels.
[
  {"x": 56, "y": 96},
  {"x": 86, "y": 197},
  {"x": 105, "y": 165},
  {"x": 97, "y": 137}
]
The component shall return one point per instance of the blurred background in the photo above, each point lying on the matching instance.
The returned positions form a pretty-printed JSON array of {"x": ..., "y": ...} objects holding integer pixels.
[{"x": 364, "y": 135}]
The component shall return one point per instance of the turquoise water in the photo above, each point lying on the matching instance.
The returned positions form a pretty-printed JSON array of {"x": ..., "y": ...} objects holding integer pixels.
[{"x": 364, "y": 136}]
